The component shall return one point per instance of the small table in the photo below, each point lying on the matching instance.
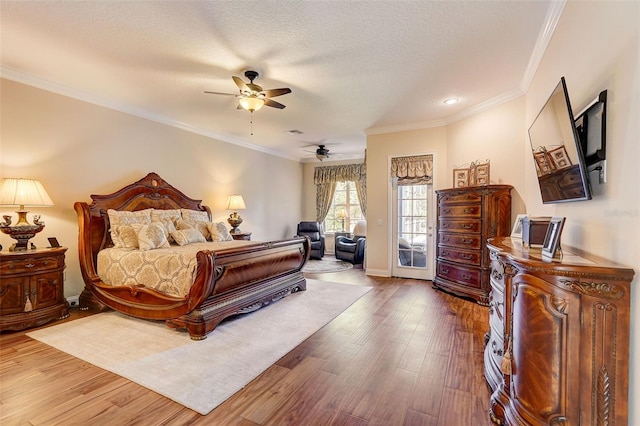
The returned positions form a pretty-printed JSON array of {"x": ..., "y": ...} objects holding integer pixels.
[{"x": 246, "y": 236}]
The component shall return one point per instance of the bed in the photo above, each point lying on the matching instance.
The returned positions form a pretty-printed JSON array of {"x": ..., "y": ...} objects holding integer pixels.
[{"x": 226, "y": 279}]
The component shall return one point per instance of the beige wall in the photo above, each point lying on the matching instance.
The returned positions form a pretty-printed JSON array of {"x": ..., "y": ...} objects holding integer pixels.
[
  {"x": 77, "y": 149},
  {"x": 380, "y": 150}
]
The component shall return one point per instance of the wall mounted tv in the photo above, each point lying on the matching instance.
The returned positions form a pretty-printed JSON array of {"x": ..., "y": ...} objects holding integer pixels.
[
  {"x": 591, "y": 124},
  {"x": 557, "y": 151}
]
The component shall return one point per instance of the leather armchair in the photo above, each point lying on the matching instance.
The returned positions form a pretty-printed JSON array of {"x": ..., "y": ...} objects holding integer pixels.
[
  {"x": 409, "y": 257},
  {"x": 313, "y": 230},
  {"x": 352, "y": 249}
]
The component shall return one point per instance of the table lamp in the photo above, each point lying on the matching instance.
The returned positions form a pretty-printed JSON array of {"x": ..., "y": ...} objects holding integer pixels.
[
  {"x": 235, "y": 203},
  {"x": 22, "y": 193}
]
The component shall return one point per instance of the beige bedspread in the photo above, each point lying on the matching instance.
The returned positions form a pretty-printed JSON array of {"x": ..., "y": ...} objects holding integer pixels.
[{"x": 169, "y": 270}]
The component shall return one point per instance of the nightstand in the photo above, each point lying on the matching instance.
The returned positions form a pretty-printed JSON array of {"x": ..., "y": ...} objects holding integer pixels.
[
  {"x": 246, "y": 236},
  {"x": 32, "y": 288}
]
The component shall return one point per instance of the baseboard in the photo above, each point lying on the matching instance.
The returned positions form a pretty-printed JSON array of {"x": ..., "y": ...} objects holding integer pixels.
[{"x": 377, "y": 272}]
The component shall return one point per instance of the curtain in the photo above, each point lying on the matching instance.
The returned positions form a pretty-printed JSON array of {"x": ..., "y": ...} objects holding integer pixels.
[
  {"x": 324, "y": 197},
  {"x": 412, "y": 170},
  {"x": 325, "y": 179}
]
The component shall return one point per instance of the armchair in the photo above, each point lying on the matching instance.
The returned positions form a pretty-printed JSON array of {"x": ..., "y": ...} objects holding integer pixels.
[
  {"x": 352, "y": 249},
  {"x": 409, "y": 256},
  {"x": 313, "y": 230}
]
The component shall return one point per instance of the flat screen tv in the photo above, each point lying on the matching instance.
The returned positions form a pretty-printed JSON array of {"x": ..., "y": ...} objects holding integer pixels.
[{"x": 557, "y": 151}]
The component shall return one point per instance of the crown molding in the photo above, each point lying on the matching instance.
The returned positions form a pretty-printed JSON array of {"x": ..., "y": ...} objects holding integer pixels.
[
  {"x": 59, "y": 89},
  {"x": 551, "y": 22}
]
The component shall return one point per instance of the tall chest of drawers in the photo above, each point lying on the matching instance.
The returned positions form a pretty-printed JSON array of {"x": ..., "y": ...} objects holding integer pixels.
[
  {"x": 467, "y": 217},
  {"x": 32, "y": 288}
]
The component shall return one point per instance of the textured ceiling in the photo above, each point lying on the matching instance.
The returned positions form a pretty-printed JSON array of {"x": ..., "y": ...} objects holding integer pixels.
[{"x": 353, "y": 67}]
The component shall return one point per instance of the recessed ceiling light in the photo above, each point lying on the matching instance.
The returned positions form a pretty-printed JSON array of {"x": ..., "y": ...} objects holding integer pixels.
[{"x": 451, "y": 101}]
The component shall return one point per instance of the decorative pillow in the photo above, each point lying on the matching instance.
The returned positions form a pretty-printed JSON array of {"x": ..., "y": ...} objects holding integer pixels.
[
  {"x": 126, "y": 235},
  {"x": 168, "y": 227},
  {"x": 219, "y": 231},
  {"x": 168, "y": 218},
  {"x": 187, "y": 236},
  {"x": 152, "y": 236},
  {"x": 183, "y": 224},
  {"x": 195, "y": 215},
  {"x": 118, "y": 218}
]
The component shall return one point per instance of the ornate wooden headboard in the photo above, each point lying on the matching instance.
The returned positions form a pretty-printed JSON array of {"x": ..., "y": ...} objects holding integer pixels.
[{"x": 149, "y": 192}]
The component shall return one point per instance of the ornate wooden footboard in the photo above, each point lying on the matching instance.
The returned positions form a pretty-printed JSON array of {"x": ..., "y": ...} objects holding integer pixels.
[{"x": 228, "y": 282}]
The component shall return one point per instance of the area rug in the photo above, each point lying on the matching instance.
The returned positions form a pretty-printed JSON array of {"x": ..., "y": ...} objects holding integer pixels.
[
  {"x": 326, "y": 265},
  {"x": 201, "y": 374}
]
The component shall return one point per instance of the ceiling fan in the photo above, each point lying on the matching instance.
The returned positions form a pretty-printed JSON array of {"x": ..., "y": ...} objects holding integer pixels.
[
  {"x": 322, "y": 152},
  {"x": 252, "y": 97}
]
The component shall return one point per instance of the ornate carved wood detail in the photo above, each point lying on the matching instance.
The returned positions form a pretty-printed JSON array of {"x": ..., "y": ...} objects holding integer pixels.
[
  {"x": 595, "y": 289},
  {"x": 604, "y": 344},
  {"x": 560, "y": 304}
]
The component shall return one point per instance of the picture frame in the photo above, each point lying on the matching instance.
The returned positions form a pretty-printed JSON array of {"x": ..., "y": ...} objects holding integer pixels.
[
  {"x": 559, "y": 157},
  {"x": 544, "y": 165},
  {"x": 53, "y": 242},
  {"x": 482, "y": 174},
  {"x": 460, "y": 178},
  {"x": 552, "y": 238},
  {"x": 516, "y": 232}
]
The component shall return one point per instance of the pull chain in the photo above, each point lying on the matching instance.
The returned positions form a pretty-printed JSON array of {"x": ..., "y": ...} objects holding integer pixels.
[{"x": 251, "y": 123}]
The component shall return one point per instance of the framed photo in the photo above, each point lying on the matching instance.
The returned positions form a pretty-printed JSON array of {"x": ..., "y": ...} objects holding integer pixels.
[
  {"x": 559, "y": 157},
  {"x": 460, "y": 178},
  {"x": 516, "y": 232},
  {"x": 552, "y": 238},
  {"x": 53, "y": 242},
  {"x": 472, "y": 174},
  {"x": 543, "y": 162},
  {"x": 482, "y": 174}
]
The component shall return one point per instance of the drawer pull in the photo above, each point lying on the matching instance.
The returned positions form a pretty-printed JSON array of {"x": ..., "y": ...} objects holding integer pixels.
[
  {"x": 467, "y": 241},
  {"x": 445, "y": 239},
  {"x": 466, "y": 256},
  {"x": 469, "y": 210},
  {"x": 445, "y": 253},
  {"x": 466, "y": 277},
  {"x": 444, "y": 271},
  {"x": 467, "y": 226},
  {"x": 29, "y": 265},
  {"x": 446, "y": 211}
]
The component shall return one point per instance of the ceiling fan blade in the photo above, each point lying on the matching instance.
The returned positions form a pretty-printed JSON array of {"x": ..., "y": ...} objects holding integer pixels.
[
  {"x": 220, "y": 93},
  {"x": 275, "y": 92},
  {"x": 272, "y": 103},
  {"x": 241, "y": 84}
]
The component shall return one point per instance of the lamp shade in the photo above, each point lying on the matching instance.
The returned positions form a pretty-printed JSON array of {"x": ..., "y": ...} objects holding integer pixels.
[
  {"x": 235, "y": 202},
  {"x": 23, "y": 192},
  {"x": 251, "y": 103}
]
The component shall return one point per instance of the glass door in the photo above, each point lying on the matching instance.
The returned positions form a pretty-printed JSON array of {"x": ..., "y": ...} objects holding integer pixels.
[{"x": 413, "y": 232}]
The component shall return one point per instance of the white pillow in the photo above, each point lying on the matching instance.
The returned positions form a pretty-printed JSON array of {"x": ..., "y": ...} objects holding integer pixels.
[
  {"x": 188, "y": 236},
  {"x": 122, "y": 217},
  {"x": 219, "y": 231},
  {"x": 152, "y": 236}
]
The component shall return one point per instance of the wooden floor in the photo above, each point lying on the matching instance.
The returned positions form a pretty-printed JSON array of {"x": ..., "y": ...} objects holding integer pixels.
[{"x": 406, "y": 355}]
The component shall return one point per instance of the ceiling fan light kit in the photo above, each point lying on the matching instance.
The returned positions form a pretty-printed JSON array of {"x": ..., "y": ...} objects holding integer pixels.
[{"x": 251, "y": 103}]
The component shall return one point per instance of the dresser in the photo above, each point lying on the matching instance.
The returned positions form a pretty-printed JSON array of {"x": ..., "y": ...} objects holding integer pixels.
[
  {"x": 557, "y": 349},
  {"x": 32, "y": 288},
  {"x": 466, "y": 218}
]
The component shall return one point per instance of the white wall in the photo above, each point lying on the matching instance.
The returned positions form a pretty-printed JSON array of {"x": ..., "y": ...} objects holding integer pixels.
[{"x": 77, "y": 149}]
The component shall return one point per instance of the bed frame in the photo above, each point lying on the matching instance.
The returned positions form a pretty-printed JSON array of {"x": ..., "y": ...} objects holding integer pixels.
[{"x": 228, "y": 282}]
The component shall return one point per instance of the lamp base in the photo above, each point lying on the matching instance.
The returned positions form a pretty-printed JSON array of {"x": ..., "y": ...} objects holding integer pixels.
[
  {"x": 234, "y": 220},
  {"x": 22, "y": 234}
]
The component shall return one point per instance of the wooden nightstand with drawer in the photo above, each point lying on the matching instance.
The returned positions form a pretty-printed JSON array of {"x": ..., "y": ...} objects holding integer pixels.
[{"x": 32, "y": 288}]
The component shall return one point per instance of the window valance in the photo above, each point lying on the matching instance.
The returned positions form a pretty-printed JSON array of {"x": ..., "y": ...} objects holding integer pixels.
[
  {"x": 341, "y": 173},
  {"x": 412, "y": 170}
]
